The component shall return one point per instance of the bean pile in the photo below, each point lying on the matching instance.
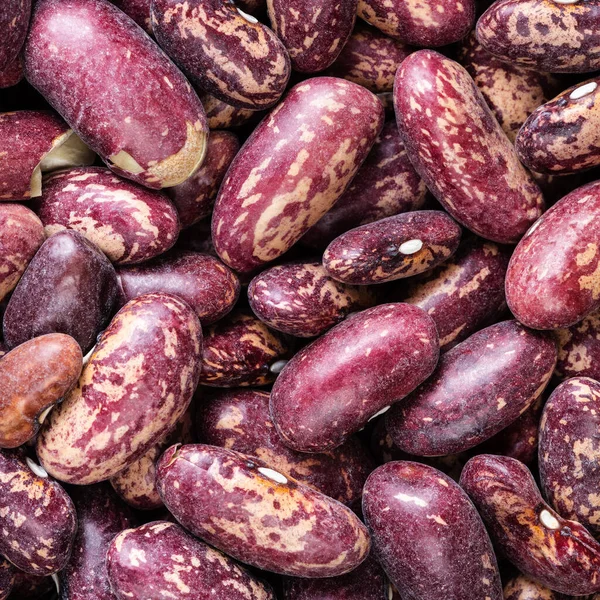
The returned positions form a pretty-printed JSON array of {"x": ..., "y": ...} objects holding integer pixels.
[{"x": 299, "y": 300}]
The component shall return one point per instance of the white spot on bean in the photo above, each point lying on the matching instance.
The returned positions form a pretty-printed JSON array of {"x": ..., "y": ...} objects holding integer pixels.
[
  {"x": 278, "y": 366},
  {"x": 583, "y": 90},
  {"x": 381, "y": 412},
  {"x": 412, "y": 499},
  {"x": 37, "y": 469},
  {"x": 411, "y": 246},
  {"x": 273, "y": 475},
  {"x": 549, "y": 520},
  {"x": 248, "y": 17}
]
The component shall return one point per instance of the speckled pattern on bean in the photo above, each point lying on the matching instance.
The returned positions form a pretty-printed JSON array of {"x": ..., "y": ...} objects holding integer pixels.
[
  {"x": 522, "y": 587},
  {"x": 7, "y": 578},
  {"x": 14, "y": 20},
  {"x": 221, "y": 115},
  {"x": 579, "y": 349},
  {"x": 138, "y": 10}
]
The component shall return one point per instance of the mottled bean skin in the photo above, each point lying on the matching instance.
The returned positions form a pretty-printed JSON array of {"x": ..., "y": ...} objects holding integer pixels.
[
  {"x": 543, "y": 35},
  {"x": 313, "y": 32},
  {"x": 239, "y": 350},
  {"x": 37, "y": 518},
  {"x": 429, "y": 23},
  {"x": 14, "y": 21},
  {"x": 478, "y": 388},
  {"x": 138, "y": 10},
  {"x": 137, "y": 383},
  {"x": 101, "y": 516},
  {"x": 239, "y": 420},
  {"x": 579, "y": 349},
  {"x": 242, "y": 62},
  {"x": 569, "y": 454},
  {"x": 436, "y": 101},
  {"x": 522, "y": 587},
  {"x": 203, "y": 281},
  {"x": 7, "y": 578},
  {"x": 370, "y": 59},
  {"x": 12, "y": 73},
  {"x": 428, "y": 536},
  {"x": 21, "y": 235},
  {"x": 302, "y": 300},
  {"x": 26, "y": 138},
  {"x": 511, "y": 91},
  {"x": 128, "y": 222},
  {"x": 283, "y": 527},
  {"x": 161, "y": 560},
  {"x": 34, "y": 377},
  {"x": 69, "y": 287},
  {"x": 553, "y": 278},
  {"x": 367, "y": 582},
  {"x": 292, "y": 169},
  {"x": 464, "y": 294},
  {"x": 221, "y": 115},
  {"x": 194, "y": 198},
  {"x": 374, "y": 253},
  {"x": 117, "y": 90},
  {"x": 386, "y": 184},
  {"x": 561, "y": 136},
  {"x": 560, "y": 554},
  {"x": 373, "y": 358}
]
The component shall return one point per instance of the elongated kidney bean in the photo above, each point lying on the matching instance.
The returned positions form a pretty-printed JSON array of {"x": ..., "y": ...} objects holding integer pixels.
[
  {"x": 463, "y": 294},
  {"x": 34, "y": 377},
  {"x": 579, "y": 349},
  {"x": 314, "y": 32},
  {"x": 561, "y": 136},
  {"x": 161, "y": 560},
  {"x": 559, "y": 37},
  {"x": 436, "y": 101},
  {"x": 393, "y": 248},
  {"x": 406, "y": 503},
  {"x": 7, "y": 578},
  {"x": 303, "y": 300},
  {"x": 69, "y": 287},
  {"x": 117, "y": 90},
  {"x": 552, "y": 280},
  {"x": 427, "y": 23},
  {"x": 293, "y": 168},
  {"x": 137, "y": 383},
  {"x": 560, "y": 554},
  {"x": 569, "y": 455},
  {"x": 204, "y": 282},
  {"x": 128, "y": 222},
  {"x": 32, "y": 143},
  {"x": 255, "y": 514},
  {"x": 101, "y": 516},
  {"x": 37, "y": 518},
  {"x": 386, "y": 184},
  {"x": 508, "y": 367},
  {"x": 235, "y": 58},
  {"x": 14, "y": 21},
  {"x": 239, "y": 420},
  {"x": 21, "y": 235},
  {"x": 373, "y": 358}
]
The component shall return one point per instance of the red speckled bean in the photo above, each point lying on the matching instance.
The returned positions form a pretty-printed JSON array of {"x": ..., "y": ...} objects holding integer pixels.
[
  {"x": 137, "y": 383},
  {"x": 522, "y": 587},
  {"x": 370, "y": 59},
  {"x": 239, "y": 350},
  {"x": 21, "y": 235},
  {"x": 569, "y": 453},
  {"x": 579, "y": 349},
  {"x": 7, "y": 578},
  {"x": 239, "y": 420},
  {"x": 194, "y": 198},
  {"x": 256, "y": 515},
  {"x": 101, "y": 516},
  {"x": 237, "y": 59},
  {"x": 558, "y": 553},
  {"x": 420, "y": 22},
  {"x": 69, "y": 287},
  {"x": 463, "y": 294},
  {"x": 386, "y": 184},
  {"x": 14, "y": 21},
  {"x": 117, "y": 90},
  {"x": 543, "y": 35},
  {"x": 203, "y": 281},
  {"x": 428, "y": 536},
  {"x": 128, "y": 222},
  {"x": 37, "y": 518},
  {"x": 313, "y": 32},
  {"x": 394, "y": 248},
  {"x": 221, "y": 115},
  {"x": 138, "y": 10},
  {"x": 12, "y": 73},
  {"x": 160, "y": 560},
  {"x": 479, "y": 387},
  {"x": 373, "y": 358},
  {"x": 436, "y": 102},
  {"x": 553, "y": 277},
  {"x": 302, "y": 300},
  {"x": 32, "y": 142},
  {"x": 293, "y": 168}
]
